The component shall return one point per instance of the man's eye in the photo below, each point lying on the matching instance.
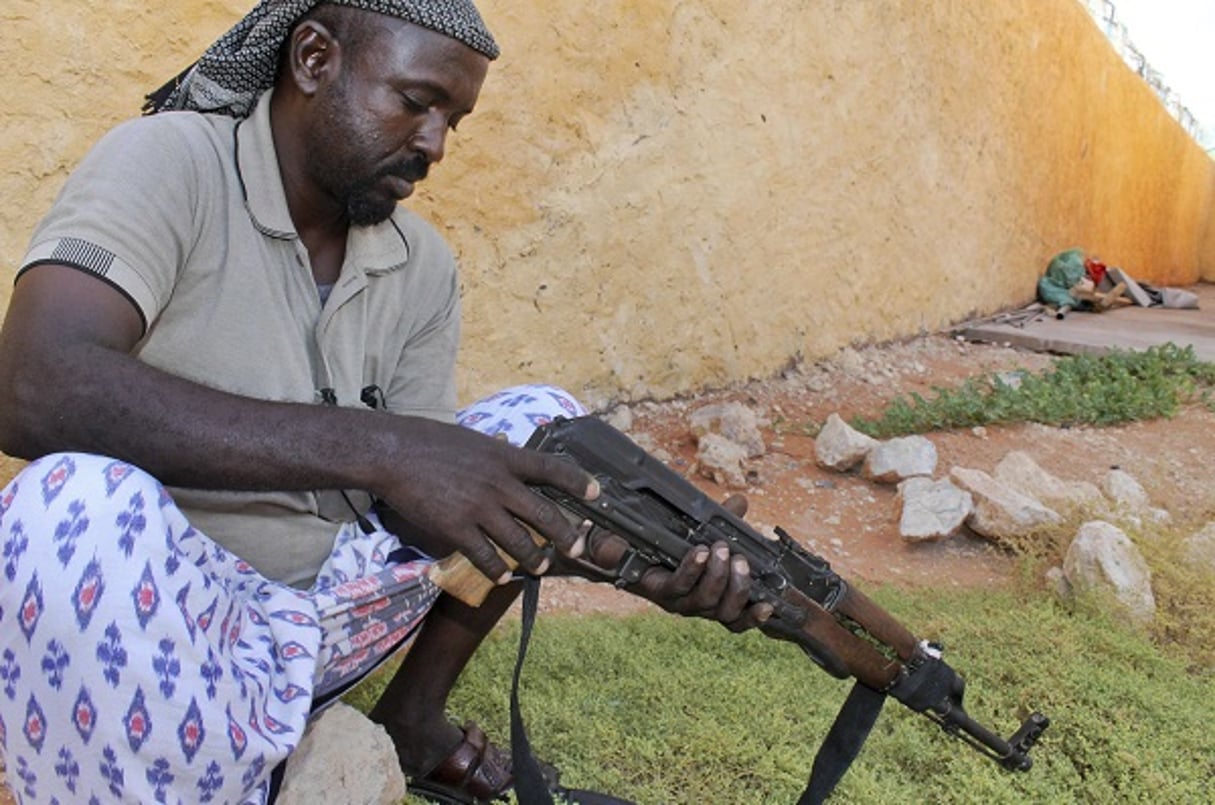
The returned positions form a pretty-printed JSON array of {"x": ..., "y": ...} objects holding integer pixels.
[{"x": 414, "y": 105}]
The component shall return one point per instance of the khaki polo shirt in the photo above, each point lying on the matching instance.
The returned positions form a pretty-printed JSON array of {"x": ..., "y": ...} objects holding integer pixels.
[{"x": 185, "y": 214}]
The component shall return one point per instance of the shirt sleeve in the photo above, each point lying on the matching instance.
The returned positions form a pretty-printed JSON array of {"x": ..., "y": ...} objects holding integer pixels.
[
  {"x": 127, "y": 214},
  {"x": 423, "y": 381}
]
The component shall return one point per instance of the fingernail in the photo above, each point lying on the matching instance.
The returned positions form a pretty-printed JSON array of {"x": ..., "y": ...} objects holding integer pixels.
[
  {"x": 763, "y": 613},
  {"x": 592, "y": 489},
  {"x": 579, "y": 548},
  {"x": 722, "y": 552},
  {"x": 505, "y": 578},
  {"x": 740, "y": 565},
  {"x": 702, "y": 556},
  {"x": 543, "y": 568}
]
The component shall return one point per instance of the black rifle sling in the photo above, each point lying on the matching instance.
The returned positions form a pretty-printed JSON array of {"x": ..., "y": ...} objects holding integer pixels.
[
  {"x": 530, "y": 785},
  {"x": 530, "y": 788},
  {"x": 843, "y": 742}
]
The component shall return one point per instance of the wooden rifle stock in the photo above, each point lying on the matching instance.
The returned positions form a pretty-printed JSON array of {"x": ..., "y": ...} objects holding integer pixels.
[{"x": 458, "y": 577}]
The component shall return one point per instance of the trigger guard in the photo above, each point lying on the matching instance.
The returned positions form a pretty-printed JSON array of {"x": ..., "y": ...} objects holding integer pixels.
[{"x": 631, "y": 569}]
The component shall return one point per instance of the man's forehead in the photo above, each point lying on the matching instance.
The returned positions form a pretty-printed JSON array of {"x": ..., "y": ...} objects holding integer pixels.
[
  {"x": 403, "y": 53},
  {"x": 394, "y": 38}
]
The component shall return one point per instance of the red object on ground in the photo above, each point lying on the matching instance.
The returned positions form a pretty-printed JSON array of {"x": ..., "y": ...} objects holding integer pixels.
[{"x": 1095, "y": 270}]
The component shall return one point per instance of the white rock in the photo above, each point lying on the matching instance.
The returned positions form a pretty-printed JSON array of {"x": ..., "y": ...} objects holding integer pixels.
[
  {"x": 898, "y": 459},
  {"x": 1001, "y": 512},
  {"x": 1103, "y": 558},
  {"x": 722, "y": 460},
  {"x": 1019, "y": 470},
  {"x": 1125, "y": 491},
  {"x": 932, "y": 509},
  {"x": 841, "y": 447},
  {"x": 1199, "y": 548},
  {"x": 620, "y": 418},
  {"x": 732, "y": 421},
  {"x": 343, "y": 758},
  {"x": 1057, "y": 581}
]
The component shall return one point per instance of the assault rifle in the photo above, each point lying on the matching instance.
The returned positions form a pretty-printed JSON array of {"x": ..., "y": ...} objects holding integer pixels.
[{"x": 662, "y": 516}]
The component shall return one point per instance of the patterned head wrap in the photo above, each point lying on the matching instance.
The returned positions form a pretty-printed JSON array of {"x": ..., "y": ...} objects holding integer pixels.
[{"x": 243, "y": 63}]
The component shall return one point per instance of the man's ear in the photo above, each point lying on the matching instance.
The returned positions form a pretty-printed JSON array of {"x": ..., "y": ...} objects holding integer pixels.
[{"x": 313, "y": 56}]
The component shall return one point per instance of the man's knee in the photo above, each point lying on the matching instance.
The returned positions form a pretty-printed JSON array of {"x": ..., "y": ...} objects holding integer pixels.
[
  {"x": 74, "y": 474},
  {"x": 65, "y": 501},
  {"x": 517, "y": 411}
]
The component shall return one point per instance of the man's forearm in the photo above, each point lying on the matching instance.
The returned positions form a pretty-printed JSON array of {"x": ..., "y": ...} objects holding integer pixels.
[
  {"x": 68, "y": 382},
  {"x": 93, "y": 399}
]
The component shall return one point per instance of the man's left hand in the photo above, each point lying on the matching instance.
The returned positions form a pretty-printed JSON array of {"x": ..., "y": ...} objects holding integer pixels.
[{"x": 708, "y": 583}]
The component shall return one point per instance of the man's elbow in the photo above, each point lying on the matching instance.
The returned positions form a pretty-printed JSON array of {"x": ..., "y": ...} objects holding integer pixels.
[{"x": 25, "y": 411}]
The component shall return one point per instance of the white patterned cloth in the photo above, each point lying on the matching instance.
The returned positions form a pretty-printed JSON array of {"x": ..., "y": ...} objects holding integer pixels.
[{"x": 142, "y": 662}]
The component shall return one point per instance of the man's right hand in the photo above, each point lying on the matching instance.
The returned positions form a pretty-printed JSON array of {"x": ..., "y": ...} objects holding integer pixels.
[{"x": 460, "y": 490}]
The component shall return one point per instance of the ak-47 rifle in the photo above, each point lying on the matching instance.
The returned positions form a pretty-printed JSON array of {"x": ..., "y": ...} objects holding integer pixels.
[{"x": 662, "y": 516}]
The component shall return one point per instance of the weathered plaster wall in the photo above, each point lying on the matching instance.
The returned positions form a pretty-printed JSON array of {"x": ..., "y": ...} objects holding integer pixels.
[{"x": 656, "y": 196}]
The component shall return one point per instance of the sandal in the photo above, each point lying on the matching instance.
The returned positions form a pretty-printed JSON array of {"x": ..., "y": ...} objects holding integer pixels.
[{"x": 476, "y": 772}]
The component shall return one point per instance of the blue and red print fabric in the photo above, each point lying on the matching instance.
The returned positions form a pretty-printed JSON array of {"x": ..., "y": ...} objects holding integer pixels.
[
  {"x": 142, "y": 662},
  {"x": 147, "y": 663}
]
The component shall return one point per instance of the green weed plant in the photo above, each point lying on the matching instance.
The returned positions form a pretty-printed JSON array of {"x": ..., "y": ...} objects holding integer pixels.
[{"x": 1117, "y": 387}]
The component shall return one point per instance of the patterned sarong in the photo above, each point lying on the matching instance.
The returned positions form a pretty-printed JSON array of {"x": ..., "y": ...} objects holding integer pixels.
[{"x": 142, "y": 662}]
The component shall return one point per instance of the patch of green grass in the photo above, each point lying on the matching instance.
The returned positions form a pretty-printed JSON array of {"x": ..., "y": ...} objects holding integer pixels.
[
  {"x": 1076, "y": 390},
  {"x": 662, "y": 709}
]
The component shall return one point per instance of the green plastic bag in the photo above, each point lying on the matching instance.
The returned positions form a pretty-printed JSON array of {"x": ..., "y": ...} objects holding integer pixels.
[{"x": 1064, "y": 271}]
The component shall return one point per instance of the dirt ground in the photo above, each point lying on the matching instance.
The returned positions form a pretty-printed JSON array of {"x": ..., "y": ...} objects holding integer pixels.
[{"x": 852, "y": 522}]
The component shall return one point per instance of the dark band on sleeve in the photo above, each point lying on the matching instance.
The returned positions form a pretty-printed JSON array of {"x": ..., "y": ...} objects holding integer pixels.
[{"x": 143, "y": 321}]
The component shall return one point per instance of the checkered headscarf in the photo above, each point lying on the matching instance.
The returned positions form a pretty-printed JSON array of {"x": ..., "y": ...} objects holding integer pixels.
[{"x": 242, "y": 64}]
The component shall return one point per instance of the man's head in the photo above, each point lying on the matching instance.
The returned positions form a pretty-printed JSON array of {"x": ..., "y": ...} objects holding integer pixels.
[
  {"x": 373, "y": 87},
  {"x": 243, "y": 62},
  {"x": 368, "y": 100}
]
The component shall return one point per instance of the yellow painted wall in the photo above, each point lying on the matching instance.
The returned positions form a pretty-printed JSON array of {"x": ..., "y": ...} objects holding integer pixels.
[{"x": 657, "y": 196}]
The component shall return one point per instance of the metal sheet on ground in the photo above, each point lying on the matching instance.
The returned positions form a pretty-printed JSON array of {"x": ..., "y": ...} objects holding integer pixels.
[{"x": 1126, "y": 328}]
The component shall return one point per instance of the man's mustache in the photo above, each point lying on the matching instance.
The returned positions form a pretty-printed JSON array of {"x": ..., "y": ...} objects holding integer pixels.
[{"x": 412, "y": 170}]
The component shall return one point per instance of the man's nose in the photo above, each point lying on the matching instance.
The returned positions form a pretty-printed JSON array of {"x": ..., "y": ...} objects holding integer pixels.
[{"x": 431, "y": 137}]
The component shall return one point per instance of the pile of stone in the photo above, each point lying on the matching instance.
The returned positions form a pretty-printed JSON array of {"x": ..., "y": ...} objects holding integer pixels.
[{"x": 1017, "y": 501}]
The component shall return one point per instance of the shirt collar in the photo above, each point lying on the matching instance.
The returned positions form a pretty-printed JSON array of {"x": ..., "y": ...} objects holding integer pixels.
[
  {"x": 257, "y": 162},
  {"x": 375, "y": 249}
]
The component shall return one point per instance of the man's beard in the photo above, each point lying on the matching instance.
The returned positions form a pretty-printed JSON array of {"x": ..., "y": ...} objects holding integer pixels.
[{"x": 365, "y": 202}]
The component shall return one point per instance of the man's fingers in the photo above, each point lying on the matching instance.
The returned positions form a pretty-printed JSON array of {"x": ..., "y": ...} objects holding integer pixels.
[
  {"x": 752, "y": 617},
  {"x": 604, "y": 548},
  {"x": 543, "y": 468},
  {"x": 736, "y": 504},
  {"x": 707, "y": 596},
  {"x": 670, "y": 587},
  {"x": 548, "y": 519},
  {"x": 485, "y": 557},
  {"x": 519, "y": 543},
  {"x": 735, "y": 598}
]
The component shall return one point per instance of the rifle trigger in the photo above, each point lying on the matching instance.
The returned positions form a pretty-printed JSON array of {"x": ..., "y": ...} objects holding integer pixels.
[{"x": 631, "y": 569}]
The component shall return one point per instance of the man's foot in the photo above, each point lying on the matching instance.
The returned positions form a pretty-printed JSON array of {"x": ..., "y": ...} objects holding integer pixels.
[{"x": 475, "y": 772}]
